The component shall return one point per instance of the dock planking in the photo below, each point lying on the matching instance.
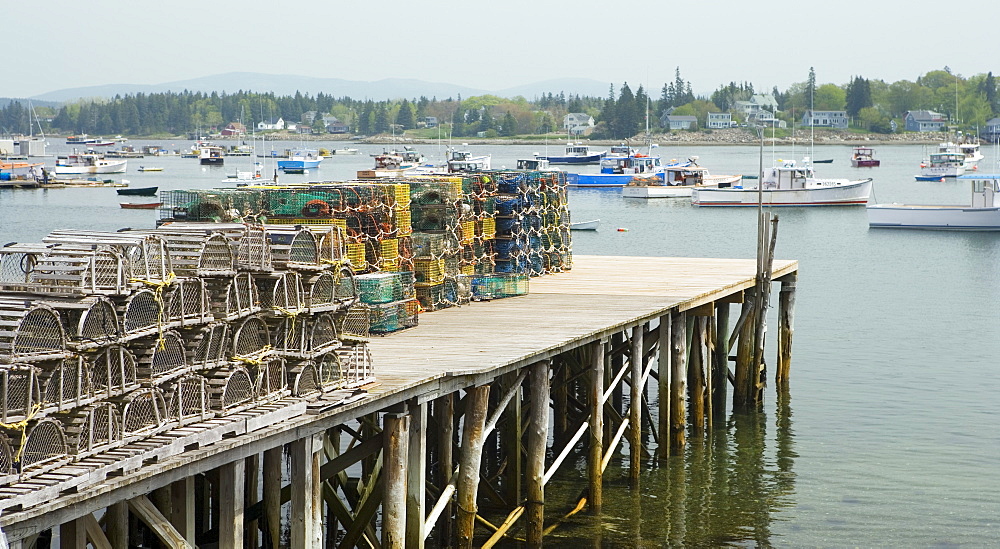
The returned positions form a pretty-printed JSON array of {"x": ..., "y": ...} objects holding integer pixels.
[{"x": 449, "y": 350}]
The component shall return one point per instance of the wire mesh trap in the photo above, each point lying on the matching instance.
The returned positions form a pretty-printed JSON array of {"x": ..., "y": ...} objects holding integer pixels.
[
  {"x": 30, "y": 331},
  {"x": 187, "y": 399}
]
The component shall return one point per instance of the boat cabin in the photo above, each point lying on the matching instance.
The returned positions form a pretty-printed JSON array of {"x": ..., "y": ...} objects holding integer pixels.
[
  {"x": 946, "y": 159},
  {"x": 787, "y": 176},
  {"x": 621, "y": 150},
  {"x": 685, "y": 175},
  {"x": 630, "y": 164},
  {"x": 533, "y": 164},
  {"x": 576, "y": 149},
  {"x": 985, "y": 190}
]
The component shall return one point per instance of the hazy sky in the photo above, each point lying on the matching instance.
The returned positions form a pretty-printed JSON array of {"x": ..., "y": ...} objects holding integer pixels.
[{"x": 51, "y": 45}]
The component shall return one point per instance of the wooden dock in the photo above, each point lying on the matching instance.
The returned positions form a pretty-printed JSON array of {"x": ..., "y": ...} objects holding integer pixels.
[{"x": 585, "y": 341}]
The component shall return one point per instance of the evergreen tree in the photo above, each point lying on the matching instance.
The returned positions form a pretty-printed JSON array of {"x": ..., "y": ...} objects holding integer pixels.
[
  {"x": 508, "y": 127},
  {"x": 859, "y": 96},
  {"x": 405, "y": 117},
  {"x": 988, "y": 87}
]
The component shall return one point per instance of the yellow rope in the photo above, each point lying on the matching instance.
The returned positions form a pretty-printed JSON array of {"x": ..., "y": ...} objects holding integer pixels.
[
  {"x": 293, "y": 315},
  {"x": 158, "y": 287},
  {"x": 23, "y": 427},
  {"x": 253, "y": 361}
]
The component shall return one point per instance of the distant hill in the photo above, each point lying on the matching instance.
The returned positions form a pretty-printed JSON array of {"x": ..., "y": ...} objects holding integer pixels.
[
  {"x": 4, "y": 101},
  {"x": 389, "y": 88}
]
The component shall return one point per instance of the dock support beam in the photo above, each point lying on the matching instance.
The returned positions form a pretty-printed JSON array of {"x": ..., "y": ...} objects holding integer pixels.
[
  {"x": 444, "y": 411},
  {"x": 306, "y": 493},
  {"x": 73, "y": 534},
  {"x": 537, "y": 438},
  {"x": 595, "y": 471},
  {"x": 720, "y": 361},
  {"x": 786, "y": 326},
  {"x": 477, "y": 402},
  {"x": 116, "y": 521},
  {"x": 416, "y": 471},
  {"x": 231, "y": 499},
  {"x": 635, "y": 406},
  {"x": 395, "y": 442},
  {"x": 663, "y": 383},
  {"x": 696, "y": 377},
  {"x": 272, "y": 494},
  {"x": 678, "y": 377}
]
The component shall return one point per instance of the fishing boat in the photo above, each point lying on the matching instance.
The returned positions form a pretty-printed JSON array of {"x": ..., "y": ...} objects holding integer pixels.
[
  {"x": 535, "y": 165},
  {"x": 138, "y": 191},
  {"x": 619, "y": 171},
  {"x": 969, "y": 150},
  {"x": 943, "y": 164},
  {"x": 824, "y": 161},
  {"x": 150, "y": 169},
  {"x": 620, "y": 150},
  {"x": 211, "y": 155},
  {"x": 864, "y": 157},
  {"x": 460, "y": 161},
  {"x": 344, "y": 151},
  {"x": 577, "y": 153},
  {"x": 678, "y": 182},
  {"x": 88, "y": 163},
  {"x": 82, "y": 139},
  {"x": 140, "y": 205},
  {"x": 300, "y": 160},
  {"x": 983, "y": 214},
  {"x": 591, "y": 225},
  {"x": 787, "y": 185}
]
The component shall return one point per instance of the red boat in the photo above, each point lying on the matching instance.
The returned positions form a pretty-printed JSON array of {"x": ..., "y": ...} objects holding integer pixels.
[
  {"x": 141, "y": 205},
  {"x": 864, "y": 157}
]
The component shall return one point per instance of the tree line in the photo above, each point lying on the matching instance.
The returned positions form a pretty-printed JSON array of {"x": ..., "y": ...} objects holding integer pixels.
[{"x": 871, "y": 105}]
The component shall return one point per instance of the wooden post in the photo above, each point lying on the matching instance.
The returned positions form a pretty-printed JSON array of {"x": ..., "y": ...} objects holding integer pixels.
[
  {"x": 537, "y": 437},
  {"x": 696, "y": 377},
  {"x": 444, "y": 410},
  {"x": 181, "y": 509},
  {"x": 560, "y": 403},
  {"x": 663, "y": 386},
  {"x": 416, "y": 476},
  {"x": 116, "y": 522},
  {"x": 511, "y": 445},
  {"x": 395, "y": 442},
  {"x": 720, "y": 361},
  {"x": 594, "y": 472},
  {"x": 786, "y": 327},
  {"x": 231, "y": 499},
  {"x": 617, "y": 361},
  {"x": 73, "y": 534},
  {"x": 272, "y": 494},
  {"x": 332, "y": 449},
  {"x": 304, "y": 519},
  {"x": 635, "y": 406},
  {"x": 477, "y": 401},
  {"x": 744, "y": 378},
  {"x": 678, "y": 377}
]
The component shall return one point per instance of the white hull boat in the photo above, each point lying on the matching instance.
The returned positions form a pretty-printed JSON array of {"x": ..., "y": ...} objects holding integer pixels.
[
  {"x": 943, "y": 165},
  {"x": 678, "y": 182},
  {"x": 88, "y": 164},
  {"x": 787, "y": 185},
  {"x": 982, "y": 215},
  {"x": 591, "y": 225}
]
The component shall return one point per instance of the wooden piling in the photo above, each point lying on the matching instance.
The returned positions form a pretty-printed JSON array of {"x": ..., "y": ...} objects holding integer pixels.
[
  {"x": 744, "y": 378},
  {"x": 477, "y": 401},
  {"x": 73, "y": 535},
  {"x": 696, "y": 377},
  {"x": 416, "y": 476},
  {"x": 663, "y": 384},
  {"x": 305, "y": 524},
  {"x": 231, "y": 499},
  {"x": 251, "y": 495},
  {"x": 595, "y": 473},
  {"x": 116, "y": 521},
  {"x": 678, "y": 378},
  {"x": 537, "y": 438},
  {"x": 272, "y": 494},
  {"x": 635, "y": 406},
  {"x": 444, "y": 411},
  {"x": 720, "y": 361},
  {"x": 395, "y": 442},
  {"x": 786, "y": 327}
]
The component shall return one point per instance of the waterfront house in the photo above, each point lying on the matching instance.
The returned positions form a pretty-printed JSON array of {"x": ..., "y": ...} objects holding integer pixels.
[
  {"x": 719, "y": 120},
  {"x": 309, "y": 117},
  {"x": 271, "y": 124},
  {"x": 825, "y": 119},
  {"x": 681, "y": 122},
  {"x": 578, "y": 123},
  {"x": 991, "y": 132},
  {"x": 923, "y": 121},
  {"x": 334, "y": 125},
  {"x": 234, "y": 129},
  {"x": 427, "y": 122}
]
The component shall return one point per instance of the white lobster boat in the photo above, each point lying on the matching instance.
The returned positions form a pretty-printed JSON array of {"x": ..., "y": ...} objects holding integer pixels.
[
  {"x": 678, "y": 182},
  {"x": 787, "y": 185},
  {"x": 88, "y": 164},
  {"x": 982, "y": 215}
]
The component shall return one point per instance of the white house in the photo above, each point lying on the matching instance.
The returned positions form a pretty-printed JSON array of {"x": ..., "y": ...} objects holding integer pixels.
[
  {"x": 271, "y": 124},
  {"x": 578, "y": 123},
  {"x": 718, "y": 120},
  {"x": 825, "y": 119}
]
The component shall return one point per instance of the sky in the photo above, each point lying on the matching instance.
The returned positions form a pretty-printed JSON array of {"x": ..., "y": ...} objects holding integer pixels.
[{"x": 58, "y": 44}]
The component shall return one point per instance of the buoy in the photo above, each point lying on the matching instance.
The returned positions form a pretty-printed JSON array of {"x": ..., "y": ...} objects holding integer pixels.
[{"x": 622, "y": 230}]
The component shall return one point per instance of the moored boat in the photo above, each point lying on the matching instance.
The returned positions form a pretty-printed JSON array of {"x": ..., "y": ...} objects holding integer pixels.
[
  {"x": 943, "y": 164},
  {"x": 211, "y": 155},
  {"x": 678, "y": 182},
  {"x": 300, "y": 160},
  {"x": 619, "y": 171},
  {"x": 577, "y": 153},
  {"x": 864, "y": 157},
  {"x": 969, "y": 150},
  {"x": 787, "y": 185},
  {"x": 591, "y": 225},
  {"x": 88, "y": 163},
  {"x": 138, "y": 191},
  {"x": 150, "y": 169},
  {"x": 460, "y": 161},
  {"x": 983, "y": 214},
  {"x": 140, "y": 205}
]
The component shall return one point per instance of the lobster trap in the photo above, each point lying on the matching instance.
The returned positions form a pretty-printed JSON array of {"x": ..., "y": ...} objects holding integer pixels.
[
  {"x": 89, "y": 322},
  {"x": 354, "y": 323},
  {"x": 187, "y": 303},
  {"x": 62, "y": 271},
  {"x": 499, "y": 285},
  {"x": 186, "y": 398},
  {"x": 281, "y": 293},
  {"x": 253, "y": 250},
  {"x": 321, "y": 292},
  {"x": 331, "y": 372},
  {"x": 356, "y": 362},
  {"x": 160, "y": 358},
  {"x": 92, "y": 429},
  {"x": 196, "y": 253},
  {"x": 288, "y": 336},
  {"x": 230, "y": 389},
  {"x": 144, "y": 413},
  {"x": 30, "y": 331},
  {"x": 270, "y": 378},
  {"x": 304, "y": 380},
  {"x": 146, "y": 257},
  {"x": 112, "y": 371},
  {"x": 20, "y": 392},
  {"x": 293, "y": 247},
  {"x": 42, "y": 447},
  {"x": 65, "y": 384},
  {"x": 322, "y": 333},
  {"x": 250, "y": 339},
  {"x": 142, "y": 314},
  {"x": 233, "y": 298},
  {"x": 209, "y": 345},
  {"x": 375, "y": 288}
]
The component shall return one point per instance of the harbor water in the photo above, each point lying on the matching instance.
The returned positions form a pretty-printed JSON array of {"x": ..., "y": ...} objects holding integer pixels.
[{"x": 887, "y": 437}]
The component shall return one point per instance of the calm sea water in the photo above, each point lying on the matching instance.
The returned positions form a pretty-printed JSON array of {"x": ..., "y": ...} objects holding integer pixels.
[{"x": 889, "y": 435}]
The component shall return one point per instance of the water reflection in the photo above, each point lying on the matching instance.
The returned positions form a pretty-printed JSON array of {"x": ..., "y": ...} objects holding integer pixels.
[{"x": 727, "y": 489}]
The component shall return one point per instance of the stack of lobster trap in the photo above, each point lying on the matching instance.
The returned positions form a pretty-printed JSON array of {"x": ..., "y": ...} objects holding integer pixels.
[{"x": 109, "y": 338}]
